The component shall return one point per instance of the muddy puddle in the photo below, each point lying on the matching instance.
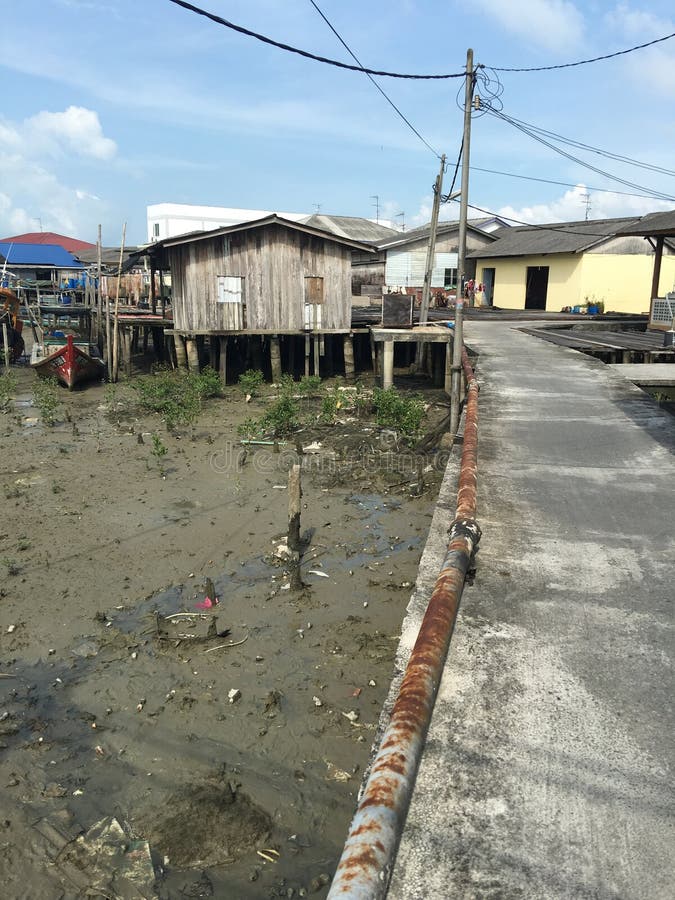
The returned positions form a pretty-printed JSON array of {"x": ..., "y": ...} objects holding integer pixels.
[{"x": 218, "y": 750}]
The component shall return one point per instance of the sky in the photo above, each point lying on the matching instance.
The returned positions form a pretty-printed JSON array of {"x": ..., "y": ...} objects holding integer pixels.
[{"x": 110, "y": 105}]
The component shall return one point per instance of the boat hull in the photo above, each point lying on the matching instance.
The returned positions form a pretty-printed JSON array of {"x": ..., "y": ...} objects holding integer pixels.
[{"x": 69, "y": 363}]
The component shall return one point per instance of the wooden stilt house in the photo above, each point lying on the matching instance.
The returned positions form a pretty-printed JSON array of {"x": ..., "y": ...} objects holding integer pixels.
[{"x": 269, "y": 277}]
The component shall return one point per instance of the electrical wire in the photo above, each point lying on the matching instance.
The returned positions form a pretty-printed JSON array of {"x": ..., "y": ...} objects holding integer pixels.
[
  {"x": 571, "y": 184},
  {"x": 363, "y": 69},
  {"x": 445, "y": 198},
  {"x": 657, "y": 195},
  {"x": 584, "y": 62},
  {"x": 323, "y": 59},
  {"x": 608, "y": 154}
]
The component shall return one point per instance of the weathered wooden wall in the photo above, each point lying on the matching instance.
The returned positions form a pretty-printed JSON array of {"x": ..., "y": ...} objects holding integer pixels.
[{"x": 274, "y": 262}]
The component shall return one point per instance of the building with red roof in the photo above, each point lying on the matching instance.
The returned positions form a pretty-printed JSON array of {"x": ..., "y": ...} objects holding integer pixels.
[{"x": 72, "y": 245}]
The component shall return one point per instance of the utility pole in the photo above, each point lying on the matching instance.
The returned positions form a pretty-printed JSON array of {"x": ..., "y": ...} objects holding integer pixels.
[
  {"x": 431, "y": 250},
  {"x": 458, "y": 338}
]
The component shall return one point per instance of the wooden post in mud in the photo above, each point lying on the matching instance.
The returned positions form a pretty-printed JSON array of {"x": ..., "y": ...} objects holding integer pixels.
[
  {"x": 192, "y": 355},
  {"x": 5, "y": 344},
  {"x": 116, "y": 335},
  {"x": 307, "y": 349},
  {"x": 349, "y": 357},
  {"x": 294, "y": 495},
  {"x": 275, "y": 358},
  {"x": 99, "y": 303},
  {"x": 448, "y": 368},
  {"x": 181, "y": 355},
  {"x": 294, "y": 543},
  {"x": 222, "y": 361},
  {"x": 373, "y": 355},
  {"x": 213, "y": 352}
]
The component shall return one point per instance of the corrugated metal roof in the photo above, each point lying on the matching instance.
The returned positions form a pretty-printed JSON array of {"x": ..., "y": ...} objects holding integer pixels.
[
  {"x": 562, "y": 237},
  {"x": 48, "y": 237},
  {"x": 422, "y": 233},
  {"x": 352, "y": 227},
  {"x": 110, "y": 256},
  {"x": 259, "y": 223},
  {"x": 653, "y": 223},
  {"x": 38, "y": 255}
]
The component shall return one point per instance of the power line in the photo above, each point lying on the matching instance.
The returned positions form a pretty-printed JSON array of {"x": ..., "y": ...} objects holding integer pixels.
[
  {"x": 658, "y": 195},
  {"x": 363, "y": 69},
  {"x": 608, "y": 154},
  {"x": 584, "y": 62},
  {"x": 323, "y": 59},
  {"x": 561, "y": 183}
]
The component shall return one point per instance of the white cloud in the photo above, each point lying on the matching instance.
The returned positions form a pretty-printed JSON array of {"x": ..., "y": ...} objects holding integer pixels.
[
  {"x": 553, "y": 24},
  {"x": 76, "y": 129},
  {"x": 571, "y": 207},
  {"x": 29, "y": 158}
]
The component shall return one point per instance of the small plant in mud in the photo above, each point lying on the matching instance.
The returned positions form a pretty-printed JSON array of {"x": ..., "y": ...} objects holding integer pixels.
[
  {"x": 12, "y": 566},
  {"x": 331, "y": 403},
  {"x": 281, "y": 419},
  {"x": 46, "y": 398},
  {"x": 159, "y": 451},
  {"x": 7, "y": 388},
  {"x": 23, "y": 543},
  {"x": 405, "y": 414},
  {"x": 176, "y": 396},
  {"x": 249, "y": 429},
  {"x": 309, "y": 384},
  {"x": 251, "y": 381}
]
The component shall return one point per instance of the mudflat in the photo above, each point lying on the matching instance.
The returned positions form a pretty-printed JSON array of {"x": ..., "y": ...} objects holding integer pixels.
[{"x": 218, "y": 752}]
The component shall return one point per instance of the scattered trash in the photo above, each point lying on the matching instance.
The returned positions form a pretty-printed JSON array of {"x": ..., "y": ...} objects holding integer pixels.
[
  {"x": 11, "y": 628},
  {"x": 86, "y": 649},
  {"x": 139, "y": 706},
  {"x": 233, "y": 695},
  {"x": 352, "y": 715},
  {"x": 317, "y": 572},
  {"x": 206, "y": 603},
  {"x": 269, "y": 855},
  {"x": 317, "y": 701},
  {"x": 114, "y": 863},
  {"x": 278, "y": 487},
  {"x": 371, "y": 683},
  {"x": 336, "y": 774},
  {"x": 314, "y": 447},
  {"x": 356, "y": 692}
]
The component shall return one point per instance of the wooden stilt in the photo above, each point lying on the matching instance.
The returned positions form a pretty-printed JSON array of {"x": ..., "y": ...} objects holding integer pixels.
[
  {"x": 373, "y": 355},
  {"x": 181, "y": 352},
  {"x": 294, "y": 496},
  {"x": 275, "y": 358},
  {"x": 307, "y": 354},
  {"x": 192, "y": 355},
  {"x": 348, "y": 343},
  {"x": 291, "y": 355},
  {"x": 317, "y": 347},
  {"x": 213, "y": 352},
  {"x": 223, "y": 359}
]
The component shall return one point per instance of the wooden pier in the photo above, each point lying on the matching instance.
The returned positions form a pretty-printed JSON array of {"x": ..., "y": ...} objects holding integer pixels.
[{"x": 609, "y": 346}]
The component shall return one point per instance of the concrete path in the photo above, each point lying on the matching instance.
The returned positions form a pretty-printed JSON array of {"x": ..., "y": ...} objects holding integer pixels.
[{"x": 548, "y": 767}]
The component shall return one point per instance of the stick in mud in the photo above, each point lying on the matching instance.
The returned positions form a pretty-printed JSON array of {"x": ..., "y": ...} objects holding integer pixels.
[{"x": 294, "y": 542}]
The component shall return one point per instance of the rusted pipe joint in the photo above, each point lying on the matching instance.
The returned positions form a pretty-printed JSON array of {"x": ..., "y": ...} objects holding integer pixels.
[{"x": 465, "y": 528}]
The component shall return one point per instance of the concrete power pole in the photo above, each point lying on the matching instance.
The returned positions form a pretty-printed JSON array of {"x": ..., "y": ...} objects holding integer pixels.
[
  {"x": 458, "y": 340},
  {"x": 431, "y": 250}
]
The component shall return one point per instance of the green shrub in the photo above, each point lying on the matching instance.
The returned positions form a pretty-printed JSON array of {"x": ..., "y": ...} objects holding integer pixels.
[
  {"x": 176, "y": 396},
  {"x": 159, "y": 451},
  {"x": 281, "y": 418},
  {"x": 251, "y": 381},
  {"x": 330, "y": 405},
  {"x": 249, "y": 429},
  {"x": 402, "y": 413},
  {"x": 309, "y": 384},
  {"x": 46, "y": 398}
]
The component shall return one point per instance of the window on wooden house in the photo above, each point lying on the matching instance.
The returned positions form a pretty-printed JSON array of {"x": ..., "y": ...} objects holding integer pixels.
[
  {"x": 313, "y": 301},
  {"x": 450, "y": 278},
  {"x": 230, "y": 289}
]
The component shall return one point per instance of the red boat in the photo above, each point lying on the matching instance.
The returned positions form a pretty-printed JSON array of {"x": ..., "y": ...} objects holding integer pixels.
[{"x": 69, "y": 361}]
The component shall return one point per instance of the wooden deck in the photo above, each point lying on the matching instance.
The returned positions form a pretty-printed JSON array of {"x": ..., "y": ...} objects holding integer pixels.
[{"x": 611, "y": 346}]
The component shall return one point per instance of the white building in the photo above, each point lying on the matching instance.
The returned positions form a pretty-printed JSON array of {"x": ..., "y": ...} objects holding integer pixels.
[{"x": 167, "y": 220}]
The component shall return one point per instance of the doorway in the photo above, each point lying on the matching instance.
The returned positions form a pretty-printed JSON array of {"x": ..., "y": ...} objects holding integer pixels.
[
  {"x": 536, "y": 286},
  {"x": 488, "y": 286}
]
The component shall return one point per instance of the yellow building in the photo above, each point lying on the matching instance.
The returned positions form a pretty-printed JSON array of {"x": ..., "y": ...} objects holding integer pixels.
[{"x": 571, "y": 264}]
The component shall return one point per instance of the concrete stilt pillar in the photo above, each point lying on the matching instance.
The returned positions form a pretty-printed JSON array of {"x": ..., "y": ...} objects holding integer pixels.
[
  {"x": 349, "y": 357},
  {"x": 181, "y": 355},
  {"x": 388, "y": 364},
  {"x": 275, "y": 358},
  {"x": 192, "y": 355}
]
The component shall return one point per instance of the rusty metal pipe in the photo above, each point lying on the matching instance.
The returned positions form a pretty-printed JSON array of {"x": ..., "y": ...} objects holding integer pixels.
[{"x": 369, "y": 854}]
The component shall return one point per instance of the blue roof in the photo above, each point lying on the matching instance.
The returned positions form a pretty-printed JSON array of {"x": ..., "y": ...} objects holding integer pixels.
[{"x": 38, "y": 255}]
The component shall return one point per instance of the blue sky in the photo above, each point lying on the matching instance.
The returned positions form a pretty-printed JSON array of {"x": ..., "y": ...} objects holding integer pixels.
[{"x": 110, "y": 105}]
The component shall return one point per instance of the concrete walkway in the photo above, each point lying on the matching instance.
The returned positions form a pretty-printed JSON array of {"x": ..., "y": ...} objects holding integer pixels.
[{"x": 548, "y": 767}]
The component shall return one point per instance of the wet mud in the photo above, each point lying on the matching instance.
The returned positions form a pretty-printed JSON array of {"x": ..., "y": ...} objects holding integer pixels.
[{"x": 216, "y": 749}]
